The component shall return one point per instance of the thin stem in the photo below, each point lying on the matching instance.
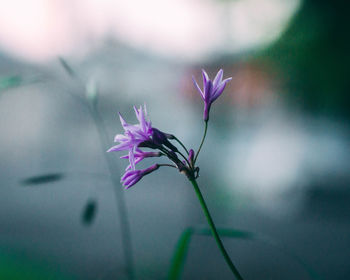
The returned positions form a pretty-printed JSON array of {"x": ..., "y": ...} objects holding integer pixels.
[
  {"x": 182, "y": 145},
  {"x": 166, "y": 164},
  {"x": 184, "y": 158},
  {"x": 214, "y": 231},
  {"x": 164, "y": 150},
  {"x": 119, "y": 195},
  {"x": 200, "y": 146}
]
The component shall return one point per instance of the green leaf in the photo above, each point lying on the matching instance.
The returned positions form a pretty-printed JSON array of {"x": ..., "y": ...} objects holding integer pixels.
[
  {"x": 42, "y": 179},
  {"x": 91, "y": 92},
  {"x": 67, "y": 67},
  {"x": 181, "y": 248},
  {"x": 89, "y": 212},
  {"x": 226, "y": 232},
  {"x": 179, "y": 256},
  {"x": 19, "y": 266},
  {"x": 10, "y": 82}
]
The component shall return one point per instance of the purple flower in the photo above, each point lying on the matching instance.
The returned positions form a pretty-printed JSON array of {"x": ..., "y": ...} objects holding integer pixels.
[
  {"x": 211, "y": 90},
  {"x": 131, "y": 177},
  {"x": 133, "y": 135},
  {"x": 190, "y": 156},
  {"x": 140, "y": 155}
]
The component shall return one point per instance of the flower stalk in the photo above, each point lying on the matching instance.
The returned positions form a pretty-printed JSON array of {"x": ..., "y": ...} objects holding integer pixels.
[
  {"x": 144, "y": 135},
  {"x": 214, "y": 230},
  {"x": 202, "y": 142}
]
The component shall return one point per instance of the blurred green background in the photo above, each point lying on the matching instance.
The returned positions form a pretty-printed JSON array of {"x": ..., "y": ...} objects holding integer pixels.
[{"x": 275, "y": 163}]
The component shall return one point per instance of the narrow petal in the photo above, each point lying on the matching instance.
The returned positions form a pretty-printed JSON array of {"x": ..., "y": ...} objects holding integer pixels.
[
  {"x": 120, "y": 138},
  {"x": 205, "y": 76},
  {"x": 145, "y": 109},
  {"x": 220, "y": 89},
  {"x": 120, "y": 147},
  {"x": 218, "y": 78},
  {"x": 205, "y": 80},
  {"x": 123, "y": 122},
  {"x": 132, "y": 180},
  {"x": 128, "y": 167},
  {"x": 127, "y": 175},
  {"x": 142, "y": 120},
  {"x": 130, "y": 184},
  {"x": 217, "y": 92},
  {"x": 197, "y": 86},
  {"x": 132, "y": 159},
  {"x": 208, "y": 92},
  {"x": 226, "y": 80}
]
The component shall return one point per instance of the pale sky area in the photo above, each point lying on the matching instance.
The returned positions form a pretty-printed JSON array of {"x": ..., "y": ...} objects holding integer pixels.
[{"x": 40, "y": 30}]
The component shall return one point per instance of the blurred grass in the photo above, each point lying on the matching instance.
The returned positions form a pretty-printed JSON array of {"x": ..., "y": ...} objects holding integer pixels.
[
  {"x": 14, "y": 267},
  {"x": 182, "y": 246},
  {"x": 10, "y": 82}
]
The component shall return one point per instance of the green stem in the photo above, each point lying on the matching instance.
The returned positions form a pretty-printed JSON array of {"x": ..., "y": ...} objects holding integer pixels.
[
  {"x": 119, "y": 196},
  {"x": 182, "y": 145},
  {"x": 184, "y": 158},
  {"x": 214, "y": 231},
  {"x": 203, "y": 138},
  {"x": 168, "y": 165}
]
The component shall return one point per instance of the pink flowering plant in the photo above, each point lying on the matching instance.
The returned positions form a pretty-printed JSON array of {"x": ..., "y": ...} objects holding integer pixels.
[{"x": 142, "y": 135}]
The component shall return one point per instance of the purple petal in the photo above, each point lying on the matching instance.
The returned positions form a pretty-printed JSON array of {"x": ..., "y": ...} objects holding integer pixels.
[
  {"x": 133, "y": 179},
  {"x": 132, "y": 159},
  {"x": 123, "y": 122},
  {"x": 205, "y": 80},
  {"x": 120, "y": 138},
  {"x": 141, "y": 118},
  {"x": 130, "y": 178},
  {"x": 217, "y": 92},
  {"x": 218, "y": 78},
  {"x": 220, "y": 89},
  {"x": 127, "y": 175},
  {"x": 205, "y": 76},
  {"x": 208, "y": 92},
  {"x": 226, "y": 80},
  {"x": 130, "y": 184},
  {"x": 120, "y": 147},
  {"x": 197, "y": 86}
]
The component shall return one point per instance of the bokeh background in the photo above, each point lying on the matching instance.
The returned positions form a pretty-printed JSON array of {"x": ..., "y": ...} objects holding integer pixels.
[{"x": 275, "y": 163}]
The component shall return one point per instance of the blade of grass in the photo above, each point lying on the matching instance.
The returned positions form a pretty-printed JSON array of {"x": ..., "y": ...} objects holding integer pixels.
[
  {"x": 67, "y": 67},
  {"x": 10, "y": 82},
  {"x": 42, "y": 179},
  {"x": 91, "y": 97},
  {"x": 89, "y": 212},
  {"x": 182, "y": 246},
  {"x": 180, "y": 254}
]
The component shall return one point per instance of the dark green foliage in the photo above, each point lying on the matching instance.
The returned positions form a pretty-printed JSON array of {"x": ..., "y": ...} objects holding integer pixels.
[
  {"x": 67, "y": 67},
  {"x": 42, "y": 179},
  {"x": 312, "y": 57},
  {"x": 181, "y": 249},
  {"x": 10, "y": 82},
  {"x": 89, "y": 212},
  {"x": 180, "y": 254}
]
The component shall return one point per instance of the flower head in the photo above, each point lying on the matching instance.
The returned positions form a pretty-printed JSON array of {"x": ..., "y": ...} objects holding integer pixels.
[
  {"x": 211, "y": 90},
  {"x": 133, "y": 135},
  {"x": 131, "y": 177},
  {"x": 141, "y": 135}
]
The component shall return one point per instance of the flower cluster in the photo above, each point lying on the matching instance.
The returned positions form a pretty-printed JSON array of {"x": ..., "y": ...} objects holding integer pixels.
[{"x": 143, "y": 135}]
